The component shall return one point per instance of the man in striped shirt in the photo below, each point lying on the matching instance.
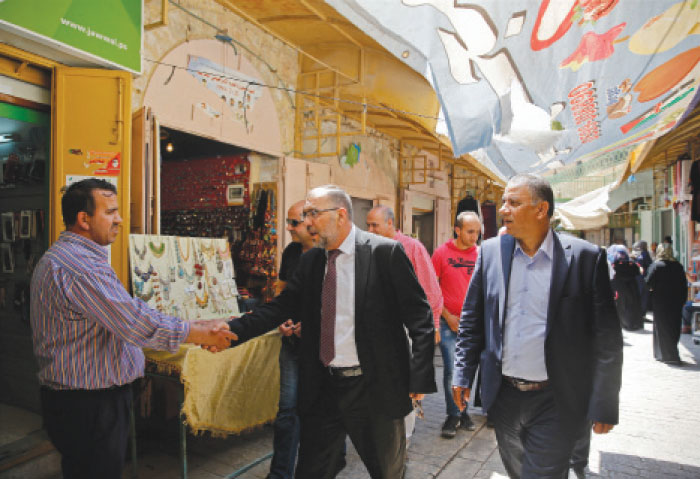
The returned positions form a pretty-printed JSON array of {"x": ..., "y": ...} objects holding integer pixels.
[{"x": 88, "y": 333}]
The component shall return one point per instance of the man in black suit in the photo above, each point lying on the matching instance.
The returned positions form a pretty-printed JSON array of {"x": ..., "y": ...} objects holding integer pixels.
[
  {"x": 353, "y": 296},
  {"x": 540, "y": 319}
]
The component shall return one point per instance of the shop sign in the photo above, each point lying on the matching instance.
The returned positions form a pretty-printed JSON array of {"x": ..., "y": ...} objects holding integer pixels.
[{"x": 107, "y": 31}]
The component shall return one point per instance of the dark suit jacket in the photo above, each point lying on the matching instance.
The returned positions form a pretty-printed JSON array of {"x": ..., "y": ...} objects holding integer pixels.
[
  {"x": 583, "y": 345},
  {"x": 387, "y": 298}
]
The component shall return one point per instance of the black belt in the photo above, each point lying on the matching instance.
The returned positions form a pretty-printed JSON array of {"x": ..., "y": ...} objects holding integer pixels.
[
  {"x": 348, "y": 372},
  {"x": 87, "y": 392},
  {"x": 525, "y": 385}
]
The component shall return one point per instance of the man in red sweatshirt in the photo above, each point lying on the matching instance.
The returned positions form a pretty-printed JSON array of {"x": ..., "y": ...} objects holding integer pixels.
[{"x": 454, "y": 264}]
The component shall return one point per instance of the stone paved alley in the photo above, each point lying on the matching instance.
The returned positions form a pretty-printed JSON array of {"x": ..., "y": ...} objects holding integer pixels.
[{"x": 656, "y": 437}]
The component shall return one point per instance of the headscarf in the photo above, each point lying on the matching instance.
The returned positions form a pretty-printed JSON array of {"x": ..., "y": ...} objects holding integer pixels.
[
  {"x": 612, "y": 251},
  {"x": 621, "y": 257},
  {"x": 640, "y": 246},
  {"x": 664, "y": 253}
]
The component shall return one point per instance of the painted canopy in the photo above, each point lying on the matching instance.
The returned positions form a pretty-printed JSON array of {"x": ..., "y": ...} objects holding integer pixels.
[{"x": 537, "y": 84}]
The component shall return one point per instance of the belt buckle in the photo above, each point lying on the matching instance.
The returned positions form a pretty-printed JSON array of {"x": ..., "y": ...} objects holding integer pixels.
[
  {"x": 345, "y": 372},
  {"x": 524, "y": 385}
]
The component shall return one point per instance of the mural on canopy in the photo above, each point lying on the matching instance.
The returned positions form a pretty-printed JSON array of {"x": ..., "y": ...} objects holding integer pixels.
[{"x": 533, "y": 85}]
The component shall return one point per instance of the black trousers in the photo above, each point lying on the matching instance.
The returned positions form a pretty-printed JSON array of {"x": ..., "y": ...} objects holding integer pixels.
[
  {"x": 344, "y": 408},
  {"x": 89, "y": 428},
  {"x": 582, "y": 448},
  {"x": 533, "y": 441}
]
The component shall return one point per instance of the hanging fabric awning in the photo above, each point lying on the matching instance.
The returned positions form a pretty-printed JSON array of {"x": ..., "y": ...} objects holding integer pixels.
[
  {"x": 536, "y": 84},
  {"x": 589, "y": 211}
]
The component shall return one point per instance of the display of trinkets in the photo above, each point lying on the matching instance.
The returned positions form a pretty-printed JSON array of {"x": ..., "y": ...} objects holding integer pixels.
[
  {"x": 203, "y": 183},
  {"x": 259, "y": 251},
  {"x": 192, "y": 278},
  {"x": 257, "y": 254}
]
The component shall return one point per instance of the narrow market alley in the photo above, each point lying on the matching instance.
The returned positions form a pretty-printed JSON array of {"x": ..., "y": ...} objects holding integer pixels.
[{"x": 655, "y": 438}]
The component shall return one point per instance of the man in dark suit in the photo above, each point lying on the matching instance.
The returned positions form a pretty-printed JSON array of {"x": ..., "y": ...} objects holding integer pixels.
[
  {"x": 353, "y": 296},
  {"x": 540, "y": 319}
]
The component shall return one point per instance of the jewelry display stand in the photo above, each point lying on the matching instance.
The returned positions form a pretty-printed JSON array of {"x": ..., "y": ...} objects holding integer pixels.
[
  {"x": 191, "y": 278},
  {"x": 222, "y": 393}
]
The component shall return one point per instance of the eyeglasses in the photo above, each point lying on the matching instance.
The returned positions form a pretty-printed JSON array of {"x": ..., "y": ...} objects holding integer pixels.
[
  {"x": 294, "y": 223},
  {"x": 314, "y": 213}
]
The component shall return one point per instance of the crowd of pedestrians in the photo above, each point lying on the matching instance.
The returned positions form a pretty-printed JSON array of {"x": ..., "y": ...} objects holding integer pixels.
[{"x": 534, "y": 314}]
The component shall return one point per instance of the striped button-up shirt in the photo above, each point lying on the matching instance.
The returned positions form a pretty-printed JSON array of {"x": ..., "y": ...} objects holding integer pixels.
[{"x": 87, "y": 331}]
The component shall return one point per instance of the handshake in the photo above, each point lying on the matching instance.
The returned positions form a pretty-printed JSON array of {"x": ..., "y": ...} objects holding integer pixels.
[{"x": 213, "y": 335}]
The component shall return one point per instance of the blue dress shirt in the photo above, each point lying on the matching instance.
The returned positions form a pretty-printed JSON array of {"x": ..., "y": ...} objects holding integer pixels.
[{"x": 525, "y": 320}]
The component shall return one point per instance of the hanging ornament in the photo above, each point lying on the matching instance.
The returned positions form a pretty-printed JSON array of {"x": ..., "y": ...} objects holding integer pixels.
[
  {"x": 142, "y": 253},
  {"x": 157, "y": 251},
  {"x": 145, "y": 276}
]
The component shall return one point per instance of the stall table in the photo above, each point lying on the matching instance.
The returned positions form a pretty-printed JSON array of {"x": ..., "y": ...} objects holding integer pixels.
[{"x": 223, "y": 393}]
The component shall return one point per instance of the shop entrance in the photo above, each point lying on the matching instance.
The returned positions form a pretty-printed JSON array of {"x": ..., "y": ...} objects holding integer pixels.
[
  {"x": 206, "y": 190},
  {"x": 423, "y": 220},
  {"x": 25, "y": 126},
  {"x": 360, "y": 209},
  {"x": 424, "y": 228}
]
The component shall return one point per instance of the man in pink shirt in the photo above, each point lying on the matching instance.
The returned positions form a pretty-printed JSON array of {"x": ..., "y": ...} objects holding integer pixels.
[
  {"x": 380, "y": 221},
  {"x": 454, "y": 264}
]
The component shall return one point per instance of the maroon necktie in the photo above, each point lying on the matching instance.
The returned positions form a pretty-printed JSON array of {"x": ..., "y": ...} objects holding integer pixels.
[{"x": 327, "y": 352}]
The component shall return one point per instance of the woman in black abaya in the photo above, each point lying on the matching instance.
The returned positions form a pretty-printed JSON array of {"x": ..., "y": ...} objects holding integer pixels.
[
  {"x": 669, "y": 290},
  {"x": 627, "y": 299}
]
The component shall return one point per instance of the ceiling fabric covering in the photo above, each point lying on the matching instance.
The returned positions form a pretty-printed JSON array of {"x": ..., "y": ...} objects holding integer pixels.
[
  {"x": 589, "y": 211},
  {"x": 344, "y": 70},
  {"x": 535, "y": 85}
]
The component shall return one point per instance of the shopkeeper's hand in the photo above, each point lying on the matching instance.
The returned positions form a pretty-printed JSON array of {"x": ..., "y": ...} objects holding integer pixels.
[
  {"x": 297, "y": 329},
  {"x": 211, "y": 335}
]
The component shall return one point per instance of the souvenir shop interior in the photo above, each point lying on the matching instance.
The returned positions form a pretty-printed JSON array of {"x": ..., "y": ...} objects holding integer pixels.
[
  {"x": 24, "y": 201},
  {"x": 206, "y": 192}
]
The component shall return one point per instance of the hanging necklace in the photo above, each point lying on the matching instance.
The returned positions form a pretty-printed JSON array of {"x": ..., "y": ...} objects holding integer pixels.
[
  {"x": 145, "y": 275},
  {"x": 208, "y": 251},
  {"x": 224, "y": 252},
  {"x": 203, "y": 301},
  {"x": 138, "y": 288},
  {"x": 157, "y": 250},
  {"x": 185, "y": 257},
  {"x": 141, "y": 254},
  {"x": 202, "y": 284},
  {"x": 166, "y": 288},
  {"x": 182, "y": 273},
  {"x": 146, "y": 296}
]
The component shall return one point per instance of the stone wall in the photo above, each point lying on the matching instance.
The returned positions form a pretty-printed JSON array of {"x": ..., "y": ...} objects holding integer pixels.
[{"x": 276, "y": 62}]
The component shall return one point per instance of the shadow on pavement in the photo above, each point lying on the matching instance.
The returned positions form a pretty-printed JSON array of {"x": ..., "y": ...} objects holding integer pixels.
[{"x": 624, "y": 466}]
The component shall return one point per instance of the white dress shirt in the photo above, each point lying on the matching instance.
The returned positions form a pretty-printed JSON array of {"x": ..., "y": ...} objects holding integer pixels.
[
  {"x": 525, "y": 322},
  {"x": 345, "y": 347}
]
